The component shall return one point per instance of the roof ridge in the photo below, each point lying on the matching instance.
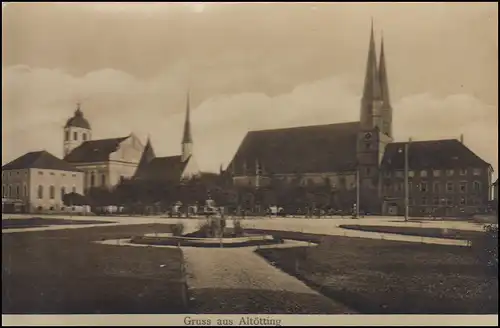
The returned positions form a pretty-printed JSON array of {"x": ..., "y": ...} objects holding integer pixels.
[{"x": 305, "y": 126}]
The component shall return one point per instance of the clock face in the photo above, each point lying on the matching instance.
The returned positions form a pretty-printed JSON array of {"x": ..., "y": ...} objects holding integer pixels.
[{"x": 368, "y": 136}]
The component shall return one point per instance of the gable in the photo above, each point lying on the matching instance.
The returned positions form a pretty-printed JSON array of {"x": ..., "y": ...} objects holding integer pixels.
[{"x": 128, "y": 150}]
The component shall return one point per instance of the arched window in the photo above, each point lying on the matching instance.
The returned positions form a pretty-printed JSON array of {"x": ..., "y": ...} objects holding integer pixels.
[
  {"x": 92, "y": 180},
  {"x": 9, "y": 191},
  {"x": 84, "y": 136},
  {"x": 25, "y": 190},
  {"x": 40, "y": 192},
  {"x": 4, "y": 191},
  {"x": 476, "y": 186},
  {"x": 63, "y": 192},
  {"x": 18, "y": 191},
  {"x": 66, "y": 136},
  {"x": 52, "y": 192},
  {"x": 75, "y": 135},
  {"x": 103, "y": 179}
]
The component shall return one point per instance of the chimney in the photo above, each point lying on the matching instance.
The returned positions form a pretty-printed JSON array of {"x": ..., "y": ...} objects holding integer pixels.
[{"x": 462, "y": 138}]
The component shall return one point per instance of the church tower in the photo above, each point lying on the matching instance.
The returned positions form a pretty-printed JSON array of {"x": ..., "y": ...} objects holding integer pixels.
[
  {"x": 76, "y": 131},
  {"x": 384, "y": 90},
  {"x": 187, "y": 139},
  {"x": 375, "y": 125}
]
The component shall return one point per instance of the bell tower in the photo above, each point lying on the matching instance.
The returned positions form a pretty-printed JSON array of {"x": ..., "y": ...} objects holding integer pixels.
[
  {"x": 76, "y": 131},
  {"x": 375, "y": 123}
]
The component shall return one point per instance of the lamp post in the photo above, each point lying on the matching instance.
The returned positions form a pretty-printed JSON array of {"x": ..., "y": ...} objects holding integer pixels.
[{"x": 407, "y": 191}]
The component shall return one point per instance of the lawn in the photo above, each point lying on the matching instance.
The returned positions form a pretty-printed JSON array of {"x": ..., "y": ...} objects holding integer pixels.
[
  {"x": 42, "y": 222},
  {"x": 417, "y": 231},
  {"x": 390, "y": 277},
  {"x": 65, "y": 272}
]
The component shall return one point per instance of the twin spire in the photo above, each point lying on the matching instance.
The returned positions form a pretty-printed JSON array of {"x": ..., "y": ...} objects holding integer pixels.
[{"x": 376, "y": 84}]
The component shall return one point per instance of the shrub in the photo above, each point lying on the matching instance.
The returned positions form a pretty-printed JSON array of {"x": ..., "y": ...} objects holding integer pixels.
[
  {"x": 486, "y": 247},
  {"x": 177, "y": 229}
]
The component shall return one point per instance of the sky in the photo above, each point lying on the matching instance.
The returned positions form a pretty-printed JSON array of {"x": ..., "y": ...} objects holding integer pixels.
[{"x": 246, "y": 66}]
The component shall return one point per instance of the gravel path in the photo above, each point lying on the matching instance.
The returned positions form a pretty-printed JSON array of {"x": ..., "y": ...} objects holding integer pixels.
[{"x": 238, "y": 281}]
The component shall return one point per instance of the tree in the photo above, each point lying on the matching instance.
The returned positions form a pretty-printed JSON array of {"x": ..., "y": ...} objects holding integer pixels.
[{"x": 74, "y": 199}]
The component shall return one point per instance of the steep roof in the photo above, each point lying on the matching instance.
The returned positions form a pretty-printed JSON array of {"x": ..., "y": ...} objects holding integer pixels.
[
  {"x": 307, "y": 149},
  {"x": 147, "y": 156},
  {"x": 39, "y": 160},
  {"x": 78, "y": 120},
  {"x": 163, "y": 168},
  {"x": 94, "y": 150},
  {"x": 431, "y": 154}
]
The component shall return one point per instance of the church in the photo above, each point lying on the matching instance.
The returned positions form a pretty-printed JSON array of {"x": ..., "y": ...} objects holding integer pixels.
[
  {"x": 106, "y": 162},
  {"x": 445, "y": 175},
  {"x": 37, "y": 181}
]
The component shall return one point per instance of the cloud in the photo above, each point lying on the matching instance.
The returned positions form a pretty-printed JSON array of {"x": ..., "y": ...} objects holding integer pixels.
[{"x": 36, "y": 103}]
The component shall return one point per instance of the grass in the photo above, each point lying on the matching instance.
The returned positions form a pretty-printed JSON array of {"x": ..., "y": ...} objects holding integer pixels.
[
  {"x": 390, "y": 277},
  {"x": 65, "y": 272},
  {"x": 417, "y": 231},
  {"x": 41, "y": 222}
]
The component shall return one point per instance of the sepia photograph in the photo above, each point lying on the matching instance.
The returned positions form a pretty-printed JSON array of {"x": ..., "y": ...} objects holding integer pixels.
[{"x": 245, "y": 164}]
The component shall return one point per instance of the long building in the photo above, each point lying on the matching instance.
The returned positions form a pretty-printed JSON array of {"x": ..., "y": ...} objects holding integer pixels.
[{"x": 363, "y": 154}]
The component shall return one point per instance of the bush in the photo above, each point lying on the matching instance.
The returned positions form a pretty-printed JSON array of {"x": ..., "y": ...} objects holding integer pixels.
[
  {"x": 486, "y": 247},
  {"x": 178, "y": 229}
]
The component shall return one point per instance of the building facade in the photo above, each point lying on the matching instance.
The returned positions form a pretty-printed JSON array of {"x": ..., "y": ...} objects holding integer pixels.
[
  {"x": 363, "y": 156},
  {"x": 39, "y": 180}
]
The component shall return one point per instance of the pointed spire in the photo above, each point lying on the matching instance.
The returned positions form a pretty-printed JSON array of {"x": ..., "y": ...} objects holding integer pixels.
[
  {"x": 148, "y": 155},
  {"x": 187, "y": 138},
  {"x": 382, "y": 71},
  {"x": 371, "y": 89}
]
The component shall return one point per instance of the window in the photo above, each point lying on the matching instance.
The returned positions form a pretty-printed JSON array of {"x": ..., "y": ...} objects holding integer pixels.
[
  {"x": 463, "y": 187},
  {"x": 17, "y": 172},
  {"x": 18, "y": 191},
  {"x": 463, "y": 172},
  {"x": 423, "y": 186},
  {"x": 40, "y": 173},
  {"x": 92, "y": 180},
  {"x": 4, "y": 191},
  {"x": 368, "y": 171},
  {"x": 435, "y": 187},
  {"x": 397, "y": 186},
  {"x": 424, "y": 201},
  {"x": 367, "y": 146},
  {"x": 25, "y": 190},
  {"x": 476, "y": 172},
  {"x": 450, "y": 173},
  {"x": 52, "y": 173},
  {"x": 476, "y": 186},
  {"x": 9, "y": 191},
  {"x": 103, "y": 179},
  {"x": 423, "y": 174},
  {"x": 40, "y": 192},
  {"x": 73, "y": 175},
  {"x": 73, "y": 189},
  {"x": 436, "y": 173},
  {"x": 75, "y": 135},
  {"x": 84, "y": 136},
  {"x": 463, "y": 201},
  {"x": 435, "y": 201},
  {"x": 66, "y": 136},
  {"x": 387, "y": 186},
  {"x": 411, "y": 174},
  {"x": 63, "y": 192},
  {"x": 387, "y": 174},
  {"x": 399, "y": 174},
  {"x": 449, "y": 201},
  {"x": 52, "y": 192},
  {"x": 449, "y": 187},
  {"x": 63, "y": 174}
]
